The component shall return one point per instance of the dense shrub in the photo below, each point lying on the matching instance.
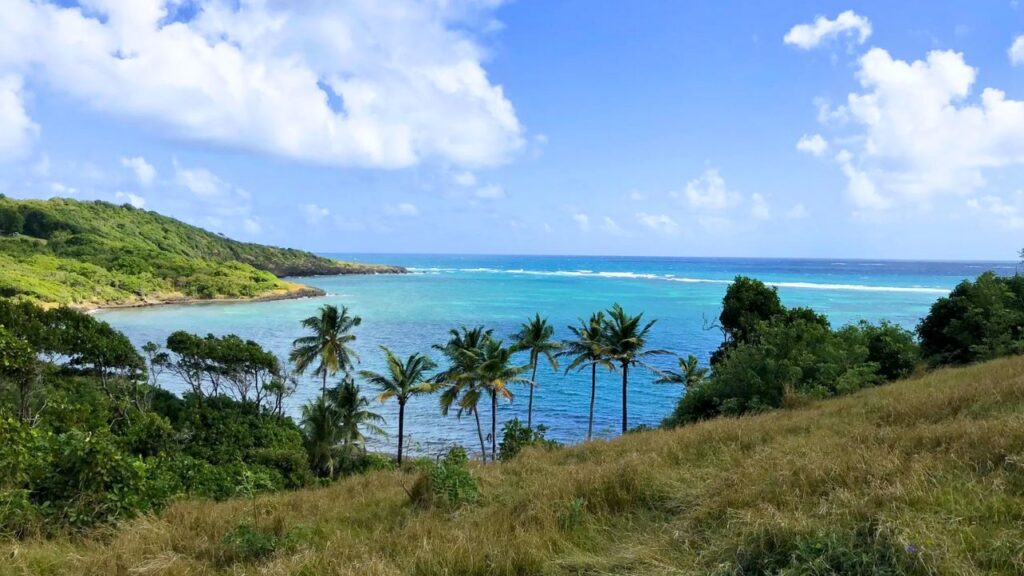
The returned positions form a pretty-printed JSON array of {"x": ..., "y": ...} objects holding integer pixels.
[
  {"x": 11, "y": 221},
  {"x": 979, "y": 320},
  {"x": 515, "y": 436},
  {"x": 448, "y": 483}
]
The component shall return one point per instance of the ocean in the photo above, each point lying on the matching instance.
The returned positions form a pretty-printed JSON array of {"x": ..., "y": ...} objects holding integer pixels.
[{"x": 409, "y": 313}]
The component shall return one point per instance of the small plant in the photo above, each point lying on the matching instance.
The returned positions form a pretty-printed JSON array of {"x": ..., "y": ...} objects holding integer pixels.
[
  {"x": 515, "y": 437},
  {"x": 246, "y": 543},
  {"x": 448, "y": 483},
  {"x": 571, "y": 516}
]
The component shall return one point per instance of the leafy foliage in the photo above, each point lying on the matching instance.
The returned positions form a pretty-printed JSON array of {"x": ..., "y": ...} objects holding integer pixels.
[
  {"x": 448, "y": 483},
  {"x": 515, "y": 437},
  {"x": 94, "y": 253}
]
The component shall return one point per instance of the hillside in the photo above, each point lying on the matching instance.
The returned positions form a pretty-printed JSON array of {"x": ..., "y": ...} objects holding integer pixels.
[
  {"x": 62, "y": 251},
  {"x": 924, "y": 476}
]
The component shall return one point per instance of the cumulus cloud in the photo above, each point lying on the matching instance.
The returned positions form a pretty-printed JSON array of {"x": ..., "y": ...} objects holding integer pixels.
[
  {"x": 402, "y": 209},
  {"x": 348, "y": 83},
  {"x": 465, "y": 179},
  {"x": 582, "y": 220},
  {"x": 144, "y": 171},
  {"x": 313, "y": 213},
  {"x": 61, "y": 189},
  {"x": 218, "y": 203},
  {"x": 490, "y": 192},
  {"x": 1009, "y": 215},
  {"x": 133, "y": 199},
  {"x": 708, "y": 192},
  {"x": 797, "y": 212},
  {"x": 918, "y": 133},
  {"x": 611, "y": 227},
  {"x": 18, "y": 132},
  {"x": 1016, "y": 51},
  {"x": 661, "y": 223},
  {"x": 759, "y": 207},
  {"x": 808, "y": 36},
  {"x": 815, "y": 145}
]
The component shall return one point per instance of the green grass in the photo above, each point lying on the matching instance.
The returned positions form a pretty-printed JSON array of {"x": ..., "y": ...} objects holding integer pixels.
[
  {"x": 96, "y": 253},
  {"x": 924, "y": 476}
]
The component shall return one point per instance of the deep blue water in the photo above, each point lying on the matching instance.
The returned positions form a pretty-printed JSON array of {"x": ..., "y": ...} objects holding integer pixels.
[{"x": 409, "y": 313}]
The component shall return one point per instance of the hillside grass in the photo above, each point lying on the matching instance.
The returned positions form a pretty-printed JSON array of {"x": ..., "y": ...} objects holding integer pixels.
[
  {"x": 96, "y": 254},
  {"x": 924, "y": 476}
]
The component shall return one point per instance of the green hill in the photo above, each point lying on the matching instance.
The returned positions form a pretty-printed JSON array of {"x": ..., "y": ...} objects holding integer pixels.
[
  {"x": 90, "y": 254},
  {"x": 924, "y": 476}
]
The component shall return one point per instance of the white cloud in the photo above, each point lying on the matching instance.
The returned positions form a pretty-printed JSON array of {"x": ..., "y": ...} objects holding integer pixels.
[
  {"x": 200, "y": 181},
  {"x": 490, "y": 192},
  {"x": 17, "y": 131},
  {"x": 1016, "y": 51},
  {"x": 133, "y": 199},
  {"x": 637, "y": 196},
  {"x": 350, "y": 83},
  {"x": 1006, "y": 214},
  {"x": 251, "y": 226},
  {"x": 61, "y": 189},
  {"x": 797, "y": 212},
  {"x": 709, "y": 192},
  {"x": 814, "y": 145},
  {"x": 611, "y": 227},
  {"x": 314, "y": 214},
  {"x": 660, "y": 223},
  {"x": 582, "y": 220},
  {"x": 759, "y": 207},
  {"x": 402, "y": 209},
  {"x": 919, "y": 134},
  {"x": 807, "y": 36},
  {"x": 144, "y": 171},
  {"x": 465, "y": 179}
]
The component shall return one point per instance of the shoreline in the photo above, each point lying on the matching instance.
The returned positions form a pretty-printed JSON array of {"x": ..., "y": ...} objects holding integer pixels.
[{"x": 294, "y": 292}]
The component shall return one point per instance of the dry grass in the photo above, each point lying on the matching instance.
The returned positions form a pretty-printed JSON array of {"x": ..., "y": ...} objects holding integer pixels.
[{"x": 922, "y": 476}]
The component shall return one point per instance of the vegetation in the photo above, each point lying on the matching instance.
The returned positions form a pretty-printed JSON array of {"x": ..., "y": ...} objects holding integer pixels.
[
  {"x": 625, "y": 339},
  {"x": 535, "y": 337},
  {"x": 920, "y": 477},
  {"x": 587, "y": 348},
  {"x": 327, "y": 345},
  {"x": 92, "y": 254},
  {"x": 403, "y": 381}
]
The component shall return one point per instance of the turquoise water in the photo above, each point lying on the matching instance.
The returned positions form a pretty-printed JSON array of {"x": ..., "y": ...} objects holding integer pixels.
[{"x": 409, "y": 313}]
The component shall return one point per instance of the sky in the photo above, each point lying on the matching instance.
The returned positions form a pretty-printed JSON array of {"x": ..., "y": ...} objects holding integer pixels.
[{"x": 732, "y": 128}]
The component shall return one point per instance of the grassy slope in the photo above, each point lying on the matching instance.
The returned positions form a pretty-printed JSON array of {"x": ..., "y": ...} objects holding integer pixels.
[
  {"x": 936, "y": 462},
  {"x": 121, "y": 255}
]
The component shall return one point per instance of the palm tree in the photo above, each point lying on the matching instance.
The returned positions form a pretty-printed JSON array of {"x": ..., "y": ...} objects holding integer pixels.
[
  {"x": 328, "y": 343},
  {"x": 402, "y": 381},
  {"x": 625, "y": 340},
  {"x": 355, "y": 416},
  {"x": 535, "y": 337},
  {"x": 587, "y": 349},
  {"x": 690, "y": 373},
  {"x": 322, "y": 432},
  {"x": 494, "y": 373},
  {"x": 460, "y": 386}
]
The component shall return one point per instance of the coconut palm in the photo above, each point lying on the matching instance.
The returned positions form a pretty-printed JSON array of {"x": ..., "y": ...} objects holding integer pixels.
[
  {"x": 327, "y": 344},
  {"x": 690, "y": 373},
  {"x": 402, "y": 381},
  {"x": 322, "y": 433},
  {"x": 625, "y": 339},
  {"x": 494, "y": 373},
  {"x": 458, "y": 380},
  {"x": 355, "y": 416},
  {"x": 587, "y": 349},
  {"x": 535, "y": 337}
]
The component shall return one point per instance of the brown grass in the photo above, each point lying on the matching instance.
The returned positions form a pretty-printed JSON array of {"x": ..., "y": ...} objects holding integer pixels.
[{"x": 922, "y": 476}]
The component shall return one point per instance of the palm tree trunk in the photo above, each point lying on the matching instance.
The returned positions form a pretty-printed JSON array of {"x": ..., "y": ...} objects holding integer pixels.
[
  {"x": 401, "y": 429},
  {"x": 625, "y": 383},
  {"x": 494, "y": 425},
  {"x": 529, "y": 407},
  {"x": 593, "y": 394},
  {"x": 480, "y": 433},
  {"x": 323, "y": 387}
]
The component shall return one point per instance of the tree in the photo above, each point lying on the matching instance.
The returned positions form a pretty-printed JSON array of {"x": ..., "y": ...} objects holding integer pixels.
[
  {"x": 402, "y": 381},
  {"x": 18, "y": 364},
  {"x": 328, "y": 344},
  {"x": 690, "y": 374},
  {"x": 535, "y": 337},
  {"x": 746, "y": 304},
  {"x": 323, "y": 432},
  {"x": 11, "y": 221},
  {"x": 625, "y": 339},
  {"x": 587, "y": 348},
  {"x": 494, "y": 373},
  {"x": 356, "y": 416},
  {"x": 459, "y": 380}
]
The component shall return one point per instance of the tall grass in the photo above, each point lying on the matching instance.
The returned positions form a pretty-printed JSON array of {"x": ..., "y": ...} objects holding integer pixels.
[{"x": 924, "y": 476}]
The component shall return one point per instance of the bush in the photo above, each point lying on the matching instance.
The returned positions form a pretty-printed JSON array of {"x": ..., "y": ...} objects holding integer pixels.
[
  {"x": 11, "y": 221},
  {"x": 244, "y": 543},
  {"x": 979, "y": 320},
  {"x": 448, "y": 483},
  {"x": 515, "y": 437}
]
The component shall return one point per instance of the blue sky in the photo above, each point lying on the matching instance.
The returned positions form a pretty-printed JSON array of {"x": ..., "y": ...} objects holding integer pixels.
[{"x": 810, "y": 129}]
